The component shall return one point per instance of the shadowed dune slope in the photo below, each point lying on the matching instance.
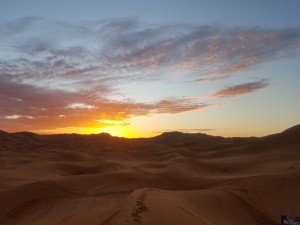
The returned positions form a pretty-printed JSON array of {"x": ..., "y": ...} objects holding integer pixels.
[{"x": 171, "y": 179}]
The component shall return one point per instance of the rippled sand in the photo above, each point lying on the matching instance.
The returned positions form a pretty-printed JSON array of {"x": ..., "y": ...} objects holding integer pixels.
[{"x": 171, "y": 179}]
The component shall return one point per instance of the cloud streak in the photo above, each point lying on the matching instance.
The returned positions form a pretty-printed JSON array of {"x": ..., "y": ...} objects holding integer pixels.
[
  {"x": 56, "y": 74},
  {"x": 240, "y": 89},
  {"x": 117, "y": 51},
  {"x": 26, "y": 107}
]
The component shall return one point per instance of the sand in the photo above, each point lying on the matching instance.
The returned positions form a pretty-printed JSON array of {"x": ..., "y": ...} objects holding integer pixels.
[{"x": 171, "y": 179}]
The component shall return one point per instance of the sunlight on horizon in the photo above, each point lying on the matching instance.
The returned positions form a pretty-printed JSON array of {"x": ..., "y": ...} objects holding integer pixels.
[
  {"x": 115, "y": 130},
  {"x": 133, "y": 74},
  {"x": 118, "y": 131}
]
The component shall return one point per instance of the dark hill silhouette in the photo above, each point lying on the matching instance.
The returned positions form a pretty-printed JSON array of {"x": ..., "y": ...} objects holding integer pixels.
[
  {"x": 179, "y": 139},
  {"x": 179, "y": 136},
  {"x": 294, "y": 129},
  {"x": 28, "y": 140},
  {"x": 288, "y": 140},
  {"x": 2, "y": 133}
]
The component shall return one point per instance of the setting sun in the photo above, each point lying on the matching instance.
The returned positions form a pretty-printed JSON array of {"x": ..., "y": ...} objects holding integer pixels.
[
  {"x": 116, "y": 130},
  {"x": 185, "y": 71},
  {"x": 150, "y": 112}
]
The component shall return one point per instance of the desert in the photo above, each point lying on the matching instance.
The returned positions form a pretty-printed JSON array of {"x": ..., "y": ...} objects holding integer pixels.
[
  {"x": 161, "y": 112},
  {"x": 172, "y": 179}
]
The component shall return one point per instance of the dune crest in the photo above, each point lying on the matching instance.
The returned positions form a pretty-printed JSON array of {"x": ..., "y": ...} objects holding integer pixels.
[{"x": 174, "y": 178}]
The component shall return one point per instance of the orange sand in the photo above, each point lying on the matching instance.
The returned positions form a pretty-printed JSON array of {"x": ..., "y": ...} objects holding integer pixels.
[{"x": 172, "y": 179}]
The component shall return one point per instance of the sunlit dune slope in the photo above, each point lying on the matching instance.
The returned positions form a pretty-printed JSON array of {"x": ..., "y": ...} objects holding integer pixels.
[{"x": 171, "y": 179}]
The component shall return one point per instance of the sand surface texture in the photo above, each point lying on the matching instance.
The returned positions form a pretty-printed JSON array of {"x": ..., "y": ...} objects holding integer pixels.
[{"x": 171, "y": 179}]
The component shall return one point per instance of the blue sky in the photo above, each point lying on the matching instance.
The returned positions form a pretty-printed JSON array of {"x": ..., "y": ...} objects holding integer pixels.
[
  {"x": 267, "y": 13},
  {"x": 138, "y": 68}
]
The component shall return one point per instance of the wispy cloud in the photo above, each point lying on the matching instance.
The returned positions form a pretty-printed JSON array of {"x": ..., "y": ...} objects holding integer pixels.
[
  {"x": 210, "y": 79},
  {"x": 192, "y": 130},
  {"x": 27, "y": 107},
  {"x": 240, "y": 89},
  {"x": 203, "y": 130},
  {"x": 62, "y": 74},
  {"x": 113, "y": 51}
]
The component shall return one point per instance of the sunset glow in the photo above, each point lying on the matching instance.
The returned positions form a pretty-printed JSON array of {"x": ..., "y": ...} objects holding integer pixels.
[
  {"x": 102, "y": 70},
  {"x": 149, "y": 112},
  {"x": 120, "y": 131}
]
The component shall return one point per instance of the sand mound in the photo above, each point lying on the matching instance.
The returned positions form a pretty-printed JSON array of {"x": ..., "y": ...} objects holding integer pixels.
[{"x": 174, "y": 179}]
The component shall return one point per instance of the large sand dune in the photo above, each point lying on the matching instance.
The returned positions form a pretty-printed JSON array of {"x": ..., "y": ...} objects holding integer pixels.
[{"x": 172, "y": 179}]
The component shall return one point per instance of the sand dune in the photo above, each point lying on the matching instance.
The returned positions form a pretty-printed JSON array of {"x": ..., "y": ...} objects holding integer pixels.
[{"x": 173, "y": 178}]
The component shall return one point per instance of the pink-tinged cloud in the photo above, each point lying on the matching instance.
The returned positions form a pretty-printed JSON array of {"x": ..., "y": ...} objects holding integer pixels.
[
  {"x": 202, "y": 130},
  {"x": 107, "y": 53},
  {"x": 240, "y": 89},
  {"x": 66, "y": 75},
  {"x": 210, "y": 79},
  {"x": 26, "y": 107},
  {"x": 235, "y": 68}
]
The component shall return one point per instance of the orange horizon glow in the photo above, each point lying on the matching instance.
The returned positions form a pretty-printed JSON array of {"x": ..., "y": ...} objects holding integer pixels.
[
  {"x": 175, "y": 77},
  {"x": 115, "y": 130}
]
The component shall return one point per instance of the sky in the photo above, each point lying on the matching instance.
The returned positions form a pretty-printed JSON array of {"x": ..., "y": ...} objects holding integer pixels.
[{"x": 137, "y": 68}]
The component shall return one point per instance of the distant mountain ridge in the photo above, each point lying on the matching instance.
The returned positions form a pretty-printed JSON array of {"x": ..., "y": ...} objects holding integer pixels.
[
  {"x": 294, "y": 129},
  {"x": 181, "y": 135},
  {"x": 164, "y": 136}
]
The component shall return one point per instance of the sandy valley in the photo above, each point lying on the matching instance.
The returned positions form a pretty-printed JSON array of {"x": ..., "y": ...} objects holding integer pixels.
[{"x": 171, "y": 179}]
